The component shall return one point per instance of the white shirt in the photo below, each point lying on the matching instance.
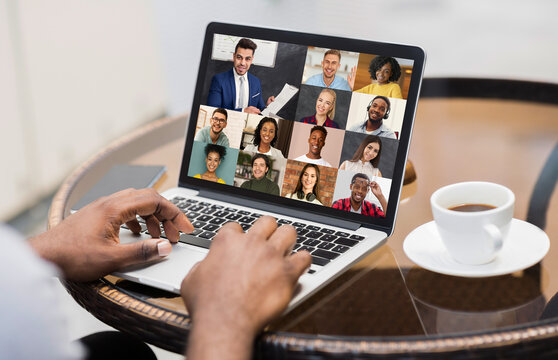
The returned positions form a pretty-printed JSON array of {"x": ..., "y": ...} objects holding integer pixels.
[
  {"x": 319, "y": 161},
  {"x": 32, "y": 323},
  {"x": 246, "y": 90},
  {"x": 360, "y": 167}
]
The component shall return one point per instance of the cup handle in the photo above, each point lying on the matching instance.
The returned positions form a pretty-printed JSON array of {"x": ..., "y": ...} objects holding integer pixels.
[{"x": 496, "y": 235}]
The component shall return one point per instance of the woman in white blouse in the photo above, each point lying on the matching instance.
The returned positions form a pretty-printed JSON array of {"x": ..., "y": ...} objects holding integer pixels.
[
  {"x": 366, "y": 158},
  {"x": 265, "y": 137}
]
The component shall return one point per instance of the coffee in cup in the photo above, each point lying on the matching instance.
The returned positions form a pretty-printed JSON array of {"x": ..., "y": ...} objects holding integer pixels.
[{"x": 473, "y": 219}]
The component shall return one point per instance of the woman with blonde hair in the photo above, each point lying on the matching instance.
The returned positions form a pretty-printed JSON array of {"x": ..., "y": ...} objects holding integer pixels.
[{"x": 325, "y": 110}]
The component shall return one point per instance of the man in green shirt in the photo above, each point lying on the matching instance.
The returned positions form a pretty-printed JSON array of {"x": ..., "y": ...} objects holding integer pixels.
[
  {"x": 213, "y": 134},
  {"x": 260, "y": 182}
]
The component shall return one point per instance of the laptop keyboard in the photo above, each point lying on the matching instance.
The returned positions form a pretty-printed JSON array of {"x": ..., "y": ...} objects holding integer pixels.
[{"x": 322, "y": 243}]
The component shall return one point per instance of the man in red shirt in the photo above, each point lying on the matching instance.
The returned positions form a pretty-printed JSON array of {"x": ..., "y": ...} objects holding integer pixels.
[{"x": 360, "y": 184}]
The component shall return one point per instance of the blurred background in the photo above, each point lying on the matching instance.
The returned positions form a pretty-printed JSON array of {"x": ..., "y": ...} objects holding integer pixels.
[{"x": 76, "y": 75}]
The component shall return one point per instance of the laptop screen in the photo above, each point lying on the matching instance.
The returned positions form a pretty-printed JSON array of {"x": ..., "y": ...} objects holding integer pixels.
[{"x": 314, "y": 122}]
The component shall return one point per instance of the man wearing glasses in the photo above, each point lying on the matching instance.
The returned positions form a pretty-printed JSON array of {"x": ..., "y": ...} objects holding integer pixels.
[
  {"x": 360, "y": 184},
  {"x": 213, "y": 133}
]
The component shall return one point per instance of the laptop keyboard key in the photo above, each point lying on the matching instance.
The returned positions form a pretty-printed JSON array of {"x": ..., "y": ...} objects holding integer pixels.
[
  {"x": 328, "y": 231},
  {"x": 357, "y": 237},
  {"x": 234, "y": 217},
  {"x": 196, "y": 232},
  {"x": 207, "y": 235},
  {"x": 193, "y": 240},
  {"x": 204, "y": 218},
  {"x": 326, "y": 245},
  {"x": 312, "y": 227},
  {"x": 307, "y": 248},
  {"x": 198, "y": 224},
  {"x": 328, "y": 237},
  {"x": 247, "y": 219},
  {"x": 346, "y": 242},
  {"x": 299, "y": 224},
  {"x": 245, "y": 226},
  {"x": 314, "y": 234},
  {"x": 192, "y": 215},
  {"x": 319, "y": 261},
  {"x": 211, "y": 227},
  {"x": 221, "y": 214},
  {"x": 243, "y": 212},
  {"x": 311, "y": 242},
  {"x": 284, "y": 221},
  {"x": 340, "y": 248},
  {"x": 217, "y": 221},
  {"x": 325, "y": 254}
]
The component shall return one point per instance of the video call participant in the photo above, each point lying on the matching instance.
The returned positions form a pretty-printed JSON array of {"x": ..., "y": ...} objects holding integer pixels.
[
  {"x": 260, "y": 182},
  {"x": 316, "y": 142},
  {"x": 360, "y": 184},
  {"x": 213, "y": 156},
  {"x": 325, "y": 110},
  {"x": 237, "y": 89},
  {"x": 377, "y": 110},
  {"x": 328, "y": 78},
  {"x": 366, "y": 157},
  {"x": 213, "y": 133},
  {"x": 265, "y": 138},
  {"x": 386, "y": 72},
  {"x": 308, "y": 185}
]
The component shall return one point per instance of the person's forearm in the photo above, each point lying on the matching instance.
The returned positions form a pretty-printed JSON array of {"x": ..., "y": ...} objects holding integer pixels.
[{"x": 212, "y": 339}]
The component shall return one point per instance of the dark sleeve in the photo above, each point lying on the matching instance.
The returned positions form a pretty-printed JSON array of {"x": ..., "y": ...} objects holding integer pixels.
[
  {"x": 261, "y": 103},
  {"x": 215, "y": 95},
  {"x": 274, "y": 189},
  {"x": 245, "y": 185}
]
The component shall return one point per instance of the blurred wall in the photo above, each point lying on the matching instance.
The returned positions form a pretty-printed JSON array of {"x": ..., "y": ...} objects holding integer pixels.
[
  {"x": 476, "y": 38},
  {"x": 75, "y": 75}
]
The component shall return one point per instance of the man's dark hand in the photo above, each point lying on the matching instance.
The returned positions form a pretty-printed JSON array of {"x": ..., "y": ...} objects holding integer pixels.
[{"x": 86, "y": 245}]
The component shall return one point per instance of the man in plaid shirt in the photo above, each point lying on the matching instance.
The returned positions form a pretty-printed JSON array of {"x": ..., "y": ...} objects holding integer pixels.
[{"x": 360, "y": 184}]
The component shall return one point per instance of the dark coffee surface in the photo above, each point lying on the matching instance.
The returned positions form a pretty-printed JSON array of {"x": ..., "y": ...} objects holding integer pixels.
[{"x": 472, "y": 207}]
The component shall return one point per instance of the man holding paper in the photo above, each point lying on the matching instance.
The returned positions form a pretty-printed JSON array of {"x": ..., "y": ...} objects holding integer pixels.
[{"x": 236, "y": 89}]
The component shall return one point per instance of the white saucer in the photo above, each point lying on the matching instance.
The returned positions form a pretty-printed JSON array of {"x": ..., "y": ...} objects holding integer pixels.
[{"x": 525, "y": 246}]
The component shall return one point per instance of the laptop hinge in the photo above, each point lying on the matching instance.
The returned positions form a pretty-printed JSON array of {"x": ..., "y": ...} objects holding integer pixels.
[{"x": 296, "y": 213}]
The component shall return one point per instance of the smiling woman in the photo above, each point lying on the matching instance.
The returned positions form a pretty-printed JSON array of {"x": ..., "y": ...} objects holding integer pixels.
[
  {"x": 213, "y": 156},
  {"x": 265, "y": 138},
  {"x": 325, "y": 110}
]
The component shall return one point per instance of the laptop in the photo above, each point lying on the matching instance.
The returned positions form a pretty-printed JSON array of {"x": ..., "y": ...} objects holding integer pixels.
[{"x": 316, "y": 134}]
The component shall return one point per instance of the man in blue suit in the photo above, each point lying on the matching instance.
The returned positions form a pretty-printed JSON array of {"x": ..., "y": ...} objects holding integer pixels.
[{"x": 236, "y": 89}]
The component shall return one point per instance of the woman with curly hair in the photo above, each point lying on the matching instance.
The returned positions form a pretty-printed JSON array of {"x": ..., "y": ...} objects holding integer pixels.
[
  {"x": 265, "y": 138},
  {"x": 213, "y": 156},
  {"x": 385, "y": 72}
]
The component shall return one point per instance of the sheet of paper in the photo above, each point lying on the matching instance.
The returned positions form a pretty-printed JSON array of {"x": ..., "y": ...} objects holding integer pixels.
[{"x": 283, "y": 98}]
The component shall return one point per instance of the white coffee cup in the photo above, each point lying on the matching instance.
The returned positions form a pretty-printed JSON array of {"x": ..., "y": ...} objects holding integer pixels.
[{"x": 473, "y": 238}]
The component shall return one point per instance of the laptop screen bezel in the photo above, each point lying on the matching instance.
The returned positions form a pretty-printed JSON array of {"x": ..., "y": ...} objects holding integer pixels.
[{"x": 305, "y": 39}]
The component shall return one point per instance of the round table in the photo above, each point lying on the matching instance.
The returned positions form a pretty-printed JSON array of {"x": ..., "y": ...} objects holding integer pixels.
[{"x": 385, "y": 306}]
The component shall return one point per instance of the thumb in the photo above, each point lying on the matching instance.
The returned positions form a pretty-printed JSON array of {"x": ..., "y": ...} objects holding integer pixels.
[{"x": 143, "y": 251}]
